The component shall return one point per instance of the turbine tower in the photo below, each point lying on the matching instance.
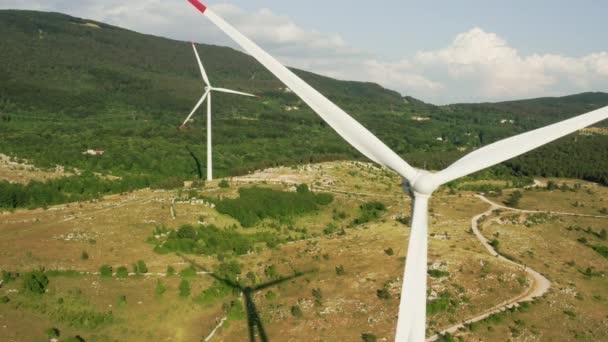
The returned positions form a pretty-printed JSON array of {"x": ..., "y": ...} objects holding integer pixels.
[
  {"x": 419, "y": 184},
  {"x": 207, "y": 95}
]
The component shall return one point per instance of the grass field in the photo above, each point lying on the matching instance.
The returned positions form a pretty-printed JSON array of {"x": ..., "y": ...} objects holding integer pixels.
[{"x": 318, "y": 284}]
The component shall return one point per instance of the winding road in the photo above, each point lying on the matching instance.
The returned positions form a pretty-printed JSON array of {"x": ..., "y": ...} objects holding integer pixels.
[{"x": 539, "y": 284}]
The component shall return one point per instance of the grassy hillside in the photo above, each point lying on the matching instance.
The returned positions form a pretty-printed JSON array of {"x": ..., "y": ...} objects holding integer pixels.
[{"x": 69, "y": 84}]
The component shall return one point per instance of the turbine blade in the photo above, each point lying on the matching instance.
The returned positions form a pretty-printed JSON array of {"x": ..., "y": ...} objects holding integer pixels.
[
  {"x": 412, "y": 307},
  {"x": 352, "y": 131},
  {"x": 198, "y": 104},
  {"x": 200, "y": 65},
  {"x": 224, "y": 90},
  {"x": 506, "y": 149}
]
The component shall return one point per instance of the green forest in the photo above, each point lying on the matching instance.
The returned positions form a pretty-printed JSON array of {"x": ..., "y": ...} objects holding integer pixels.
[{"x": 68, "y": 85}]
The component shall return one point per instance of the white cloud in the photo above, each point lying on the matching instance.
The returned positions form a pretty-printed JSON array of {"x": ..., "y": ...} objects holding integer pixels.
[{"x": 500, "y": 71}]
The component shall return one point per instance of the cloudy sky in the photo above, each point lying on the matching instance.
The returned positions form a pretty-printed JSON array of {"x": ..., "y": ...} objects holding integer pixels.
[{"x": 439, "y": 51}]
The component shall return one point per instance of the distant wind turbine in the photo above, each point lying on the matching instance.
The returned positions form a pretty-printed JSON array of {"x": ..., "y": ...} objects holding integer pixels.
[
  {"x": 418, "y": 183},
  {"x": 207, "y": 95}
]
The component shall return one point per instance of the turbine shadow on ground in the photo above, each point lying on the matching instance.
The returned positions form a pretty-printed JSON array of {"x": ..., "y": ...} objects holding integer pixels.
[
  {"x": 253, "y": 318},
  {"x": 199, "y": 170}
]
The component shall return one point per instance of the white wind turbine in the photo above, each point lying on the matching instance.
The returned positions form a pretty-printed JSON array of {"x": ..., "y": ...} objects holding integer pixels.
[
  {"x": 207, "y": 95},
  {"x": 418, "y": 183}
]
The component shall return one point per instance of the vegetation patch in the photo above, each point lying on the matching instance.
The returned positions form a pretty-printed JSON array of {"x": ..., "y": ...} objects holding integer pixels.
[
  {"x": 370, "y": 211},
  {"x": 209, "y": 240},
  {"x": 255, "y": 204}
]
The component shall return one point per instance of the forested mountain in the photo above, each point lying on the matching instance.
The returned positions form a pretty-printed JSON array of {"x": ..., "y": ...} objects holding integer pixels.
[{"x": 69, "y": 84}]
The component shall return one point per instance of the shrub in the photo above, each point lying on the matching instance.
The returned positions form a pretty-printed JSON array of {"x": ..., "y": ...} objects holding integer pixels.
[
  {"x": 330, "y": 229},
  {"x": 122, "y": 300},
  {"x": 383, "y": 294},
  {"x": 296, "y": 311},
  {"x": 122, "y": 272},
  {"x": 270, "y": 295},
  {"x": 184, "y": 288},
  {"x": 270, "y": 271},
  {"x": 4, "y": 299},
  {"x": 141, "y": 267},
  {"x": 369, "y": 337},
  {"x": 105, "y": 271},
  {"x": 217, "y": 290},
  {"x": 189, "y": 272},
  {"x": 52, "y": 332},
  {"x": 340, "y": 270},
  {"x": 35, "y": 282},
  {"x": 318, "y": 295},
  {"x": 160, "y": 288},
  {"x": 230, "y": 270},
  {"x": 302, "y": 189},
  {"x": 170, "y": 271},
  {"x": 389, "y": 251},
  {"x": 186, "y": 232},
  {"x": 224, "y": 184},
  {"x": 438, "y": 273},
  {"x": 237, "y": 312},
  {"x": 369, "y": 211},
  {"x": 514, "y": 199},
  {"x": 84, "y": 255}
]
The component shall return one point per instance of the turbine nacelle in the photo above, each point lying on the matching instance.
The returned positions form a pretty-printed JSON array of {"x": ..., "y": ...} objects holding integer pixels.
[{"x": 424, "y": 184}]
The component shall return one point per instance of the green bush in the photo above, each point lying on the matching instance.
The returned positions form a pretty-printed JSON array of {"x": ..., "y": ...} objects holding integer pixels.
[
  {"x": 160, "y": 288},
  {"x": 184, "y": 288},
  {"x": 255, "y": 204},
  {"x": 218, "y": 290},
  {"x": 230, "y": 270},
  {"x": 369, "y": 337},
  {"x": 438, "y": 273},
  {"x": 142, "y": 268},
  {"x": 170, "y": 271},
  {"x": 369, "y": 211},
  {"x": 296, "y": 311},
  {"x": 52, "y": 332},
  {"x": 340, "y": 270},
  {"x": 4, "y": 299},
  {"x": 237, "y": 312},
  {"x": 270, "y": 296},
  {"x": 224, "y": 184},
  {"x": 35, "y": 282},
  {"x": 188, "y": 272},
  {"x": 105, "y": 271},
  {"x": 84, "y": 255},
  {"x": 383, "y": 294},
  {"x": 122, "y": 272}
]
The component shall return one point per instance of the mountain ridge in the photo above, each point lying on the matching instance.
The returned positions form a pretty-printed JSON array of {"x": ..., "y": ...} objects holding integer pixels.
[{"x": 63, "y": 78}]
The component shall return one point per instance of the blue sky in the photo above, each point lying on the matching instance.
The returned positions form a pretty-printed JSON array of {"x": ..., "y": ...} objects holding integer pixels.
[{"x": 439, "y": 51}]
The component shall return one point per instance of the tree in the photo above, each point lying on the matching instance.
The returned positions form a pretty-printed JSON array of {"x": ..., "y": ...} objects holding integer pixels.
[
  {"x": 514, "y": 199},
  {"x": 160, "y": 288},
  {"x": 184, "y": 288},
  {"x": 141, "y": 267},
  {"x": 122, "y": 272},
  {"x": 35, "y": 282},
  {"x": 296, "y": 311},
  {"x": 105, "y": 271}
]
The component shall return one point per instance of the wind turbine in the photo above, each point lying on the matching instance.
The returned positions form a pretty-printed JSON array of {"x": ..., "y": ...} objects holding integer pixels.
[
  {"x": 207, "y": 95},
  {"x": 418, "y": 183}
]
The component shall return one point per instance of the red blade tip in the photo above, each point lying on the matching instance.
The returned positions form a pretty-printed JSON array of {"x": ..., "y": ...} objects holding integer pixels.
[{"x": 198, "y": 5}]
